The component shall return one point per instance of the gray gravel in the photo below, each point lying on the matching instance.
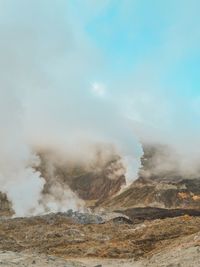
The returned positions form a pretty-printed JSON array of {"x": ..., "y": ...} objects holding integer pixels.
[{"x": 10, "y": 259}]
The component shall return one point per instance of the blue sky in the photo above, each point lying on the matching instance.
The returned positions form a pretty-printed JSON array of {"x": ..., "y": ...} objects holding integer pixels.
[
  {"x": 132, "y": 32},
  {"x": 153, "y": 45}
]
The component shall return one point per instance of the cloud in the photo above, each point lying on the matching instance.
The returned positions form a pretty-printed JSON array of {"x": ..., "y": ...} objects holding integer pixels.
[{"x": 47, "y": 64}]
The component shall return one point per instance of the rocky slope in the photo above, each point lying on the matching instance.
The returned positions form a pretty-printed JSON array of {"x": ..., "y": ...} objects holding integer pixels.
[
  {"x": 183, "y": 194},
  {"x": 99, "y": 180},
  {"x": 158, "y": 186}
]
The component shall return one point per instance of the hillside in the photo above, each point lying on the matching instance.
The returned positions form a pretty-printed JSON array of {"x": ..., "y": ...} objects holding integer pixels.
[{"x": 156, "y": 187}]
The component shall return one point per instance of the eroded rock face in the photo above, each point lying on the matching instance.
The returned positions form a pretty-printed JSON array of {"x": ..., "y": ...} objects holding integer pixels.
[
  {"x": 94, "y": 182},
  {"x": 184, "y": 194},
  {"x": 159, "y": 187}
]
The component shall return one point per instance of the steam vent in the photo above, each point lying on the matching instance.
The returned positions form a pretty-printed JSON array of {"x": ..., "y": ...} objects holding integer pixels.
[{"x": 99, "y": 133}]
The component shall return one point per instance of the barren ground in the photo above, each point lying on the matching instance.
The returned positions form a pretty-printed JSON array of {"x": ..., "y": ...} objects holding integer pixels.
[{"x": 47, "y": 240}]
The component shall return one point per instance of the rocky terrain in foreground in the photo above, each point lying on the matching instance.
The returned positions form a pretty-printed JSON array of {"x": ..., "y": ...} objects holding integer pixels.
[{"x": 56, "y": 239}]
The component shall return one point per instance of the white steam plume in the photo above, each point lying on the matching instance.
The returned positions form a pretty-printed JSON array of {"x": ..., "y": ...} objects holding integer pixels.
[
  {"x": 46, "y": 68},
  {"x": 18, "y": 179}
]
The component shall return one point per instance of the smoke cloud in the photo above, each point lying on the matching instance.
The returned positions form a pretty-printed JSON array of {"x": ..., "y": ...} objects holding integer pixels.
[{"x": 50, "y": 100}]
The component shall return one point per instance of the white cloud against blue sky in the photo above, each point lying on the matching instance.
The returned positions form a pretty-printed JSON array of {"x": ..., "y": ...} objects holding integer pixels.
[{"x": 151, "y": 52}]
